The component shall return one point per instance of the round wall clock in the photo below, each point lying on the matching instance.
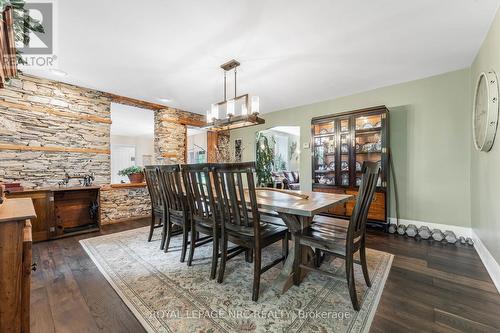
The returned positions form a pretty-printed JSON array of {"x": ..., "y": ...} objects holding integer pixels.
[{"x": 485, "y": 115}]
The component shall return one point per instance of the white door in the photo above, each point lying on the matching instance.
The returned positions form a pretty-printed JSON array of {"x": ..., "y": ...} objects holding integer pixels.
[{"x": 122, "y": 156}]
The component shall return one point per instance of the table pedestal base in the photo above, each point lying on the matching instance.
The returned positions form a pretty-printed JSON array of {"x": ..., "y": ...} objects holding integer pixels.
[{"x": 285, "y": 279}]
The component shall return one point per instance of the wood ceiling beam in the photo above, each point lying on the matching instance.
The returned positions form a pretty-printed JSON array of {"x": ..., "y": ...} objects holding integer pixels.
[{"x": 134, "y": 102}]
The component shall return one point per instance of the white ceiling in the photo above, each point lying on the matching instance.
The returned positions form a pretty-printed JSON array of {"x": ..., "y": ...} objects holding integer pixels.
[
  {"x": 291, "y": 52},
  {"x": 131, "y": 121}
]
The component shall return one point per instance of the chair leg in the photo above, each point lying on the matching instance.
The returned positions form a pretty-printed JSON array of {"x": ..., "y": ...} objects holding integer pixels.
[
  {"x": 317, "y": 258},
  {"x": 249, "y": 255},
  {"x": 152, "y": 227},
  {"x": 256, "y": 274},
  {"x": 215, "y": 255},
  {"x": 364, "y": 266},
  {"x": 185, "y": 234},
  {"x": 192, "y": 245},
  {"x": 297, "y": 259},
  {"x": 349, "y": 269},
  {"x": 163, "y": 233},
  {"x": 168, "y": 233},
  {"x": 223, "y": 254}
]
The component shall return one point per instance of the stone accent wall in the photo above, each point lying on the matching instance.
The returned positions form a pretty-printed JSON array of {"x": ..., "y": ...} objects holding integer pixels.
[
  {"x": 170, "y": 137},
  {"x": 46, "y": 116},
  {"x": 122, "y": 204},
  {"x": 25, "y": 119},
  {"x": 223, "y": 148}
]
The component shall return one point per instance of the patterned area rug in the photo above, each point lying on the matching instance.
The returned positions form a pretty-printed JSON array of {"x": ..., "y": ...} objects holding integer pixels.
[{"x": 168, "y": 296}]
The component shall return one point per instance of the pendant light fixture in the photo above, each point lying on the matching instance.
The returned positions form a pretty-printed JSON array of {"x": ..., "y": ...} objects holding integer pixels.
[{"x": 239, "y": 111}]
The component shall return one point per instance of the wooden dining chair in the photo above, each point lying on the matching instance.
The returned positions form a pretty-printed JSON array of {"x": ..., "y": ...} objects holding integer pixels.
[
  {"x": 240, "y": 220},
  {"x": 204, "y": 220},
  {"x": 157, "y": 205},
  {"x": 332, "y": 236},
  {"x": 177, "y": 210}
]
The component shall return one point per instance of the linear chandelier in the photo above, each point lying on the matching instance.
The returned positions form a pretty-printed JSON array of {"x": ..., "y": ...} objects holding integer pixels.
[{"x": 239, "y": 111}]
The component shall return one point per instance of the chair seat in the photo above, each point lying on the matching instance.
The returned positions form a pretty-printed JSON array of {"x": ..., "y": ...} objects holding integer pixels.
[
  {"x": 204, "y": 222},
  {"x": 266, "y": 230},
  {"x": 324, "y": 238}
]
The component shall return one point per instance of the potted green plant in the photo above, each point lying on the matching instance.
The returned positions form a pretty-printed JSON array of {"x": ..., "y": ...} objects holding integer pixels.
[
  {"x": 134, "y": 173},
  {"x": 264, "y": 160}
]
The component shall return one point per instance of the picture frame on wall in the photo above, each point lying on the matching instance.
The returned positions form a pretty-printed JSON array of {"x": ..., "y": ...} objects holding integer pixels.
[{"x": 237, "y": 149}]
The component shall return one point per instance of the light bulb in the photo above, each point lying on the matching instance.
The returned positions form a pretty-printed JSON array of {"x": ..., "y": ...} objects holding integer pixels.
[
  {"x": 244, "y": 109},
  {"x": 230, "y": 108},
  {"x": 255, "y": 105},
  {"x": 215, "y": 111}
]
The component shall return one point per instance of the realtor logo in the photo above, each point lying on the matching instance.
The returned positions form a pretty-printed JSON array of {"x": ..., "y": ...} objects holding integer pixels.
[{"x": 39, "y": 43}]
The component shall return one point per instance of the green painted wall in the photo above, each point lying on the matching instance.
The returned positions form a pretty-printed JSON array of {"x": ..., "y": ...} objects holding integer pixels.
[
  {"x": 485, "y": 167},
  {"x": 430, "y": 140}
]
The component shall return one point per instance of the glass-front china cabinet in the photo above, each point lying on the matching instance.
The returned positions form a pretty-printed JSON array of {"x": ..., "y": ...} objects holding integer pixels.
[{"x": 340, "y": 144}]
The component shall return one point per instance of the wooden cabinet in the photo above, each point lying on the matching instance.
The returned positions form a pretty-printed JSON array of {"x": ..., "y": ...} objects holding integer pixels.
[
  {"x": 15, "y": 264},
  {"x": 340, "y": 144},
  {"x": 63, "y": 211}
]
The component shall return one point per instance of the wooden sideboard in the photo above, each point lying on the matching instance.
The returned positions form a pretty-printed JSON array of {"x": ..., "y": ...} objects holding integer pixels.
[
  {"x": 63, "y": 211},
  {"x": 15, "y": 264}
]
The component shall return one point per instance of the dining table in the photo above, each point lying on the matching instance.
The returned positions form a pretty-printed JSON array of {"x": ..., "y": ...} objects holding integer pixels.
[{"x": 297, "y": 210}]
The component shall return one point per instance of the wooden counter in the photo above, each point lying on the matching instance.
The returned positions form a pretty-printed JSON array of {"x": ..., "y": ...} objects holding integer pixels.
[
  {"x": 17, "y": 209},
  {"x": 15, "y": 264},
  {"x": 63, "y": 211}
]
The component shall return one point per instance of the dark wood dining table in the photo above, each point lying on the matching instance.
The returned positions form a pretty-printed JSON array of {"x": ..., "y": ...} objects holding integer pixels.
[{"x": 297, "y": 213}]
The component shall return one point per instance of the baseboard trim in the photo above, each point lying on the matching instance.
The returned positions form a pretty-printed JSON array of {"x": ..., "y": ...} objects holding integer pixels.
[
  {"x": 459, "y": 231},
  {"x": 489, "y": 262}
]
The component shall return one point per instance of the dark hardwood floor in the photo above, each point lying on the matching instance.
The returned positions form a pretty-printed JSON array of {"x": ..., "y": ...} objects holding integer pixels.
[{"x": 431, "y": 288}]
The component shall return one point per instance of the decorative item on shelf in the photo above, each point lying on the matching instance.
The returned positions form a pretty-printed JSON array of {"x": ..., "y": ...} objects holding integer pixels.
[
  {"x": 344, "y": 166},
  {"x": 344, "y": 129},
  {"x": 323, "y": 131},
  {"x": 367, "y": 126},
  {"x": 13, "y": 187},
  {"x": 358, "y": 181},
  {"x": 358, "y": 147},
  {"x": 378, "y": 146},
  {"x": 358, "y": 166},
  {"x": 330, "y": 181},
  {"x": 134, "y": 173},
  {"x": 322, "y": 180},
  {"x": 249, "y": 108},
  {"x": 331, "y": 146},
  {"x": 331, "y": 166},
  {"x": 345, "y": 179},
  {"x": 378, "y": 124},
  {"x": 344, "y": 148}
]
